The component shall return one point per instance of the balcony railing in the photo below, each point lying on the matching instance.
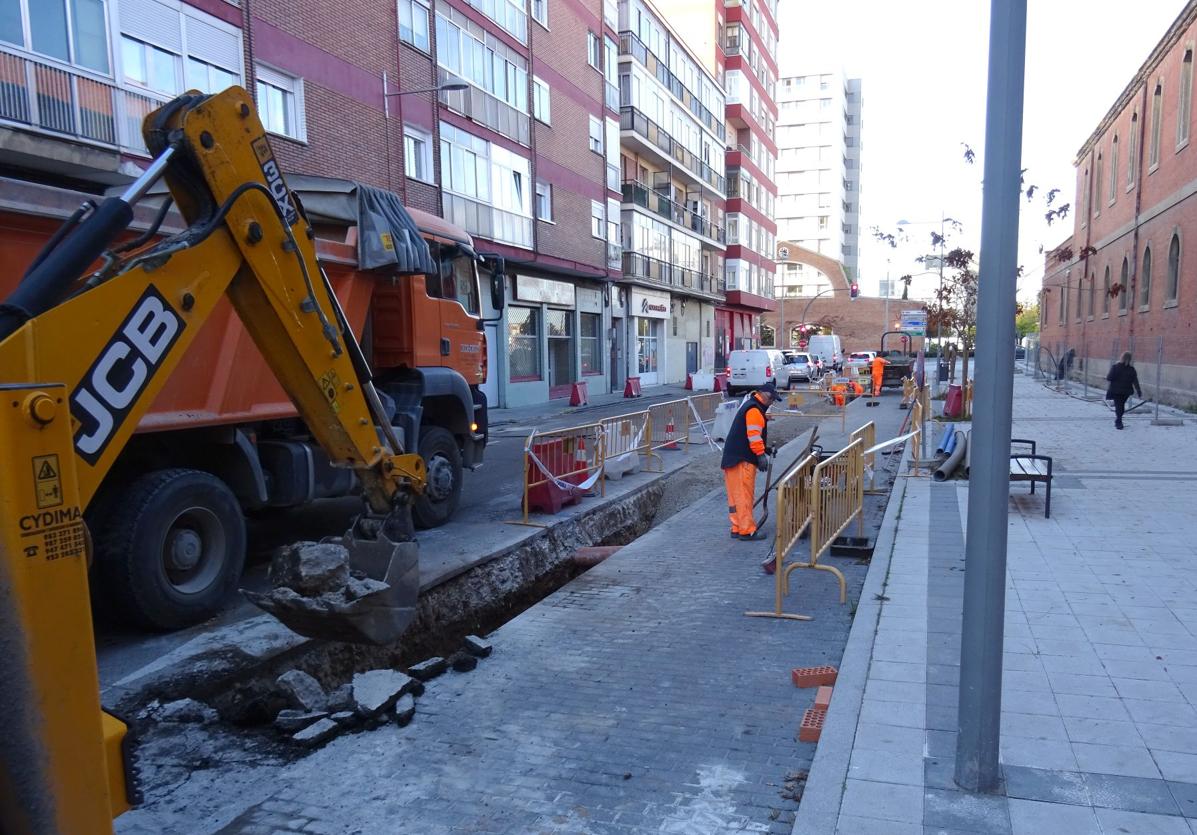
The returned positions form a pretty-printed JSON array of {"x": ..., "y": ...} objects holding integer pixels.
[
  {"x": 636, "y": 265},
  {"x": 661, "y": 204},
  {"x": 634, "y": 120},
  {"x": 70, "y": 101},
  {"x": 485, "y": 221},
  {"x": 630, "y": 44}
]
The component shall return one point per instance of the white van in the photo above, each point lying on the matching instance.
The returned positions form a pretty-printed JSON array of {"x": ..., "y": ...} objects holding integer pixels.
[
  {"x": 748, "y": 370},
  {"x": 827, "y": 348}
]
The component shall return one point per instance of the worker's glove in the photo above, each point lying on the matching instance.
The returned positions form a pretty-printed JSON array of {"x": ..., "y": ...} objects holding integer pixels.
[{"x": 762, "y": 462}]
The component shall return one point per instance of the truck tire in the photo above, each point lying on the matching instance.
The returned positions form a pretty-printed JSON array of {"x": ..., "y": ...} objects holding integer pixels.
[
  {"x": 436, "y": 504},
  {"x": 170, "y": 554}
]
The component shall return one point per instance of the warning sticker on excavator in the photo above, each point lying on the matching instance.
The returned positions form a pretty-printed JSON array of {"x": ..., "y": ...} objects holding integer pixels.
[
  {"x": 47, "y": 482},
  {"x": 330, "y": 384}
]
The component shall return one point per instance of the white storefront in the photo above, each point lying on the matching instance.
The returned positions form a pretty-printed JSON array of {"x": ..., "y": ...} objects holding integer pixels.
[{"x": 649, "y": 312}]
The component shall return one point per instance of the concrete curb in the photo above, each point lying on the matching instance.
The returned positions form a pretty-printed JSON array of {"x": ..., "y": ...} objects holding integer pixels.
[{"x": 818, "y": 813}]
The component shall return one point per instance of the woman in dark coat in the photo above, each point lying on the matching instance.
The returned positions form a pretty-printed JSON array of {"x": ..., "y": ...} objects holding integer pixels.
[{"x": 1123, "y": 379}]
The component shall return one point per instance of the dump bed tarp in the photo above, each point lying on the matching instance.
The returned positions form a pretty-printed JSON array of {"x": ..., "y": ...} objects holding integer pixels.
[{"x": 386, "y": 233}]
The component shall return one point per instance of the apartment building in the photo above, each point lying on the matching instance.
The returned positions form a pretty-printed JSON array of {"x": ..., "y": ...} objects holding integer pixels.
[
  {"x": 525, "y": 158},
  {"x": 1125, "y": 280},
  {"x": 819, "y": 165}
]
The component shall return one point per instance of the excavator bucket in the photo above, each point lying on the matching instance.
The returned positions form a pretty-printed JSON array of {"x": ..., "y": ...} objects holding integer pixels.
[{"x": 375, "y": 606}]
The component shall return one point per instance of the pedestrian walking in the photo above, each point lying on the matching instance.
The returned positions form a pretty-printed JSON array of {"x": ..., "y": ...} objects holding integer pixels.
[
  {"x": 743, "y": 454},
  {"x": 1123, "y": 379}
]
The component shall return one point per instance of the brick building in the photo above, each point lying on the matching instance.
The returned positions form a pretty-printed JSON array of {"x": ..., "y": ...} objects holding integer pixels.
[
  {"x": 525, "y": 158},
  {"x": 1127, "y": 278},
  {"x": 813, "y": 290}
]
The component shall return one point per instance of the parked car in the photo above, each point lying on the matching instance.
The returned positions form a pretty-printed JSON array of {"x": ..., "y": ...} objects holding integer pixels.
[
  {"x": 751, "y": 369},
  {"x": 800, "y": 367},
  {"x": 828, "y": 348},
  {"x": 859, "y": 358},
  {"x": 1020, "y": 353}
]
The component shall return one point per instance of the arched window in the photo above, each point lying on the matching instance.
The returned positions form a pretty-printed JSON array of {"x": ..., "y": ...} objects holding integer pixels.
[
  {"x": 1097, "y": 193},
  {"x": 1113, "y": 170},
  {"x": 1157, "y": 118},
  {"x": 1092, "y": 295},
  {"x": 1132, "y": 156},
  {"x": 1086, "y": 203},
  {"x": 1173, "y": 268},
  {"x": 1185, "y": 105},
  {"x": 1145, "y": 280},
  {"x": 1105, "y": 293},
  {"x": 1080, "y": 307},
  {"x": 1123, "y": 280}
]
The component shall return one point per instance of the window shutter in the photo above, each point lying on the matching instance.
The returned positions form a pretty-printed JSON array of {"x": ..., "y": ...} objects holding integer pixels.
[
  {"x": 152, "y": 22},
  {"x": 213, "y": 45}
]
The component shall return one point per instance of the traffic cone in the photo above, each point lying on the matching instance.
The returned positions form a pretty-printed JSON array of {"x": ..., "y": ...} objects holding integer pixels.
[
  {"x": 581, "y": 460},
  {"x": 670, "y": 434}
]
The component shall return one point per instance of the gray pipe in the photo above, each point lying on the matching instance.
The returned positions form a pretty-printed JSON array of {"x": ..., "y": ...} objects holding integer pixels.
[{"x": 945, "y": 469}]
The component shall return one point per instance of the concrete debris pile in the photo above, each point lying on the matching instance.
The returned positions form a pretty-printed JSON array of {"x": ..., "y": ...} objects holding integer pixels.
[
  {"x": 316, "y": 575},
  {"x": 313, "y": 716}
]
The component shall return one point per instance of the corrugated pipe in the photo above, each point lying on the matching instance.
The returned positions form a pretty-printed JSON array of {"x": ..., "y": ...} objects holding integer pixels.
[{"x": 960, "y": 441}]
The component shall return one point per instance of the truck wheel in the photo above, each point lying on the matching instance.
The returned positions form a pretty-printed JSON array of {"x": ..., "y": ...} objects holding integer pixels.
[
  {"x": 171, "y": 553},
  {"x": 437, "y": 503}
]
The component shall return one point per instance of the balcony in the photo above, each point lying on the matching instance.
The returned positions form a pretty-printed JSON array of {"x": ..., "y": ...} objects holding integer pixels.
[
  {"x": 639, "y": 194},
  {"x": 631, "y": 119},
  {"x": 485, "y": 221},
  {"x": 678, "y": 279},
  {"x": 64, "y": 100},
  {"x": 630, "y": 44}
]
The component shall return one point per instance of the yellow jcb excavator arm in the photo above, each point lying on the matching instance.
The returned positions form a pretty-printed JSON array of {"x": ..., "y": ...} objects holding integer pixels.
[{"x": 80, "y": 363}]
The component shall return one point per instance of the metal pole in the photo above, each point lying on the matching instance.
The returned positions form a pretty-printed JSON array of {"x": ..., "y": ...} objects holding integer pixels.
[
  {"x": 1085, "y": 368},
  {"x": 989, "y": 478},
  {"x": 939, "y": 318},
  {"x": 778, "y": 339}
]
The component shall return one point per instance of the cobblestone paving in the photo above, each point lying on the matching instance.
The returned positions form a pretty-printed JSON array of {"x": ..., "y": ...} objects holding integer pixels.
[{"x": 638, "y": 698}]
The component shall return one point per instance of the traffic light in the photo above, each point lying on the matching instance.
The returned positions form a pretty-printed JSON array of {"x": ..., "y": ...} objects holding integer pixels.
[{"x": 853, "y": 290}]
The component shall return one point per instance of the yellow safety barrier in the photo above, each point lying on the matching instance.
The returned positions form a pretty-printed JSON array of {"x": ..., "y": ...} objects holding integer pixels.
[
  {"x": 669, "y": 425},
  {"x": 868, "y": 435},
  {"x": 909, "y": 390},
  {"x": 625, "y": 439},
  {"x": 561, "y": 465},
  {"x": 968, "y": 400},
  {"x": 795, "y": 503},
  {"x": 702, "y": 413},
  {"x": 916, "y": 426}
]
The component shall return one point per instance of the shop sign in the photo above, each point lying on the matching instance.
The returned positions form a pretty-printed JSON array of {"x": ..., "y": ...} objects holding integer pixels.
[
  {"x": 652, "y": 306},
  {"x": 532, "y": 289}
]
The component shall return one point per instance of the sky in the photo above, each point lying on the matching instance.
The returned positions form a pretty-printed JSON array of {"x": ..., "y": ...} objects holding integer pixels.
[{"x": 923, "y": 65}]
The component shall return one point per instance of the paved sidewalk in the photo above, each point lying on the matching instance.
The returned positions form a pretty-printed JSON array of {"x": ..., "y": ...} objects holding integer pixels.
[{"x": 1099, "y": 726}]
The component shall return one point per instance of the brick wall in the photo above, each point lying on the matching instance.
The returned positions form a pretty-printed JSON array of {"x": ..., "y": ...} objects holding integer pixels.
[{"x": 859, "y": 323}]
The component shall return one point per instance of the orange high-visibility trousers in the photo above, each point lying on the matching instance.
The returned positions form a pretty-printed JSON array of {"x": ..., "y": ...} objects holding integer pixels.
[
  {"x": 740, "y": 481},
  {"x": 878, "y": 371}
]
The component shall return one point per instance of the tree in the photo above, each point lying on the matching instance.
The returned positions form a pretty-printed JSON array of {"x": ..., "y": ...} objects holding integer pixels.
[{"x": 1027, "y": 321}]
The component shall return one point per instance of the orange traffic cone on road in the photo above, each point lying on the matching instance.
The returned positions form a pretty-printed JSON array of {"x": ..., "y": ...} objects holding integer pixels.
[{"x": 670, "y": 434}]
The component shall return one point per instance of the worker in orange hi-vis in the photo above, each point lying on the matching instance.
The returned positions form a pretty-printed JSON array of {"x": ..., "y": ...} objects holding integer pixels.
[
  {"x": 878, "y": 368},
  {"x": 743, "y": 454}
]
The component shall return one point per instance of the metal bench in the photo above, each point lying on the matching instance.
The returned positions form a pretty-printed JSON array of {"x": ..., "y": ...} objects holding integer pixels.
[{"x": 1034, "y": 468}]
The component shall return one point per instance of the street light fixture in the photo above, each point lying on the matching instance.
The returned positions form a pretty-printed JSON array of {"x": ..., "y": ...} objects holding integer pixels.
[{"x": 447, "y": 87}]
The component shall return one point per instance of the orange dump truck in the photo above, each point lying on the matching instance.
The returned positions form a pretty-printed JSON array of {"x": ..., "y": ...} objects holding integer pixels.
[{"x": 223, "y": 438}]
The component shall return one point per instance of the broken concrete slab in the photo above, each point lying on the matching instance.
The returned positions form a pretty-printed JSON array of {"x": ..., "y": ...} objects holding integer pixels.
[
  {"x": 429, "y": 669},
  {"x": 302, "y": 691},
  {"x": 344, "y": 717},
  {"x": 310, "y": 568},
  {"x": 405, "y": 709},
  {"x": 376, "y": 690},
  {"x": 476, "y": 646},
  {"x": 341, "y": 698},
  {"x": 186, "y": 710},
  {"x": 290, "y": 720},
  {"x": 317, "y": 732}
]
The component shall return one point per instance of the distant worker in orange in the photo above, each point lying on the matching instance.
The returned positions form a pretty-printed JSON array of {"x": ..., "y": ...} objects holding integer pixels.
[
  {"x": 743, "y": 454},
  {"x": 878, "y": 368}
]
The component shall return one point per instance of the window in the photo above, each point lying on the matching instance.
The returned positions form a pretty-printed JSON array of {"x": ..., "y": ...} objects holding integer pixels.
[
  {"x": 540, "y": 12},
  {"x": 1113, "y": 170},
  {"x": 523, "y": 343},
  {"x": 1123, "y": 279},
  {"x": 597, "y": 226},
  {"x": 1173, "y": 269},
  {"x": 168, "y": 48},
  {"x": 822, "y": 222},
  {"x": 413, "y": 23},
  {"x": 1157, "y": 115},
  {"x": 589, "y": 340},
  {"x": 1064, "y": 301},
  {"x": 1145, "y": 280},
  {"x": 417, "y": 154},
  {"x": 1097, "y": 189},
  {"x": 150, "y": 67},
  {"x": 1185, "y": 109},
  {"x": 1086, "y": 206},
  {"x": 648, "y": 332},
  {"x": 541, "y": 103},
  {"x": 1132, "y": 155},
  {"x": 209, "y": 78},
  {"x": 611, "y": 50},
  {"x": 491, "y": 66},
  {"x": 74, "y": 31},
  {"x": 280, "y": 103},
  {"x": 1080, "y": 288},
  {"x": 593, "y": 49},
  {"x": 1092, "y": 295},
  {"x": 596, "y": 134},
  {"x": 559, "y": 326},
  {"x": 544, "y": 200},
  {"x": 1105, "y": 294}
]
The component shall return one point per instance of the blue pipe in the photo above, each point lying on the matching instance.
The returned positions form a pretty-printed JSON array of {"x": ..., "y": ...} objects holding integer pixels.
[
  {"x": 951, "y": 444},
  {"x": 943, "y": 442}
]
